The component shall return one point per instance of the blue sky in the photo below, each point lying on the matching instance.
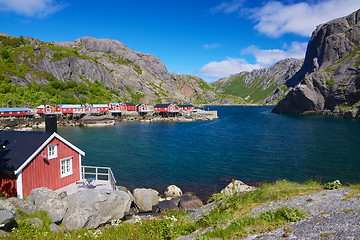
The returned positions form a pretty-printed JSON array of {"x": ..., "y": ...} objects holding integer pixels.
[{"x": 210, "y": 39}]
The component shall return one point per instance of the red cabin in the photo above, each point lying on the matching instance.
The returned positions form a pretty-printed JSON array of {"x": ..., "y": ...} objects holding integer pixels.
[
  {"x": 186, "y": 107},
  {"x": 128, "y": 106},
  {"x": 143, "y": 108},
  {"x": 9, "y": 112},
  {"x": 115, "y": 107},
  {"x": 44, "y": 109},
  {"x": 166, "y": 108},
  {"x": 31, "y": 160},
  {"x": 70, "y": 108},
  {"x": 98, "y": 108}
]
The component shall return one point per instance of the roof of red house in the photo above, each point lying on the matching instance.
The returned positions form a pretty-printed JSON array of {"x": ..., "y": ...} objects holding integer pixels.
[
  {"x": 18, "y": 148},
  {"x": 14, "y": 109},
  {"x": 162, "y": 105},
  {"x": 185, "y": 105},
  {"x": 129, "y": 104}
]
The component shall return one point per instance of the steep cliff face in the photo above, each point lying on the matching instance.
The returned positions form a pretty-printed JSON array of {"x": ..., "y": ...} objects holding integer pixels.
[
  {"x": 330, "y": 76},
  {"x": 263, "y": 86},
  {"x": 124, "y": 74}
]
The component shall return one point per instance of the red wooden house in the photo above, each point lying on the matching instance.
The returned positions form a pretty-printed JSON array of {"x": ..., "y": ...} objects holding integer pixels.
[
  {"x": 166, "y": 108},
  {"x": 70, "y": 108},
  {"x": 143, "y": 108},
  {"x": 128, "y": 106},
  {"x": 115, "y": 107},
  {"x": 31, "y": 160},
  {"x": 9, "y": 112},
  {"x": 186, "y": 107},
  {"x": 44, "y": 109},
  {"x": 98, "y": 108}
]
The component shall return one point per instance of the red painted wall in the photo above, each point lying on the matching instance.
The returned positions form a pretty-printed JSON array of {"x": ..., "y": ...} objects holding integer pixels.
[
  {"x": 40, "y": 173},
  {"x": 7, "y": 185},
  {"x": 15, "y": 113}
]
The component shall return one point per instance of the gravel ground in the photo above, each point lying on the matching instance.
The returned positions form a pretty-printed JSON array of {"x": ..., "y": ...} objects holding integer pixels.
[{"x": 331, "y": 214}]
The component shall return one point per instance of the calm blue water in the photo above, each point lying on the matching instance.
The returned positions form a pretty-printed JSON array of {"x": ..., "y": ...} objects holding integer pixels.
[{"x": 245, "y": 143}]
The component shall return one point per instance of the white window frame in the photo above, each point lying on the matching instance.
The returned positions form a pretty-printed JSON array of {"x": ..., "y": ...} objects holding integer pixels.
[
  {"x": 52, "y": 155},
  {"x": 66, "y": 167}
]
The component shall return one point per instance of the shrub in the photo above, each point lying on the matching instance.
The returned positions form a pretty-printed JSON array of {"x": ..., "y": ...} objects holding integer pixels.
[
  {"x": 332, "y": 185},
  {"x": 5, "y": 54}
]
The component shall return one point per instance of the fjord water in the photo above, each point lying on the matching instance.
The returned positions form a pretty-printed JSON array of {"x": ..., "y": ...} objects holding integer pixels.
[{"x": 245, "y": 143}]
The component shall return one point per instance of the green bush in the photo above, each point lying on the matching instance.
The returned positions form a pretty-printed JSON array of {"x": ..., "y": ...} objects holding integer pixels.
[
  {"x": 5, "y": 54},
  {"x": 332, "y": 185}
]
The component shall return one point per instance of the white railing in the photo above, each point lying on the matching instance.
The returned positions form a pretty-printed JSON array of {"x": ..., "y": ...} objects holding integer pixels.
[{"x": 99, "y": 173}]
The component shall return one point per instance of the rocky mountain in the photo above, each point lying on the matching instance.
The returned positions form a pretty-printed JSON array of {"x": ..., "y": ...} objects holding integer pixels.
[
  {"x": 329, "y": 80},
  {"x": 92, "y": 70},
  {"x": 261, "y": 86}
]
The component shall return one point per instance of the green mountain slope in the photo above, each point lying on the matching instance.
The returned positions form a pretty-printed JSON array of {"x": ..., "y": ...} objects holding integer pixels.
[
  {"x": 260, "y": 86},
  {"x": 94, "y": 71}
]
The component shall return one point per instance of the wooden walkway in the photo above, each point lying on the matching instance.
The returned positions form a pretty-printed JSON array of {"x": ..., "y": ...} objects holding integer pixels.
[{"x": 80, "y": 186}]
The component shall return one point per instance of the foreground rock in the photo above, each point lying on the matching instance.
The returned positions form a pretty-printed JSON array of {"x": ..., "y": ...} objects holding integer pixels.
[
  {"x": 329, "y": 78},
  {"x": 190, "y": 203},
  {"x": 146, "y": 199},
  {"x": 7, "y": 219},
  {"x": 92, "y": 208},
  {"x": 173, "y": 191},
  {"x": 236, "y": 187}
]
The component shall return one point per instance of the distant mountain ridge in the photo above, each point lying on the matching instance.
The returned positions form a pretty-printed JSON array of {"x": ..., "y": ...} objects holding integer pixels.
[
  {"x": 260, "y": 86},
  {"x": 94, "y": 70}
]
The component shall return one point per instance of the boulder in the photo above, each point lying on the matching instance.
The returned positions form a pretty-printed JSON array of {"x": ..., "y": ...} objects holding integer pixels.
[
  {"x": 39, "y": 196},
  {"x": 167, "y": 205},
  {"x": 173, "y": 191},
  {"x": 55, "y": 228},
  {"x": 7, "y": 219},
  {"x": 35, "y": 222},
  {"x": 189, "y": 202},
  {"x": 24, "y": 205},
  {"x": 92, "y": 208},
  {"x": 121, "y": 188},
  {"x": 236, "y": 187},
  {"x": 55, "y": 208},
  {"x": 6, "y": 205},
  {"x": 146, "y": 199}
]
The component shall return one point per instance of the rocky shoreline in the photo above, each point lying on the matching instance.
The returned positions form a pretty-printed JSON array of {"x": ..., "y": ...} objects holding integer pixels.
[{"x": 38, "y": 122}]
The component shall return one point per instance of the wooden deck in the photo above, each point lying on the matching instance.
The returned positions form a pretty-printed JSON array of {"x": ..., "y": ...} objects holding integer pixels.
[{"x": 79, "y": 186}]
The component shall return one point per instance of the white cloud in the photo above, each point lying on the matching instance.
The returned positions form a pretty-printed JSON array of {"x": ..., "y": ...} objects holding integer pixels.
[
  {"x": 267, "y": 57},
  {"x": 275, "y": 19},
  {"x": 228, "y": 7},
  {"x": 264, "y": 58},
  {"x": 31, "y": 8},
  {"x": 225, "y": 68},
  {"x": 211, "y": 46}
]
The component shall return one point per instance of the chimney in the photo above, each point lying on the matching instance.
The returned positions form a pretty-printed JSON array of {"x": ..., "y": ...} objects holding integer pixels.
[{"x": 50, "y": 124}]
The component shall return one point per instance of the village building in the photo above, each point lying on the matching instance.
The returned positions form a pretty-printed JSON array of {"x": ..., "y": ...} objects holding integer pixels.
[
  {"x": 115, "y": 107},
  {"x": 70, "y": 108},
  {"x": 186, "y": 107},
  {"x": 18, "y": 112},
  {"x": 98, "y": 108},
  {"x": 44, "y": 109},
  {"x": 166, "y": 109},
  {"x": 128, "y": 106},
  {"x": 31, "y": 160},
  {"x": 143, "y": 109}
]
